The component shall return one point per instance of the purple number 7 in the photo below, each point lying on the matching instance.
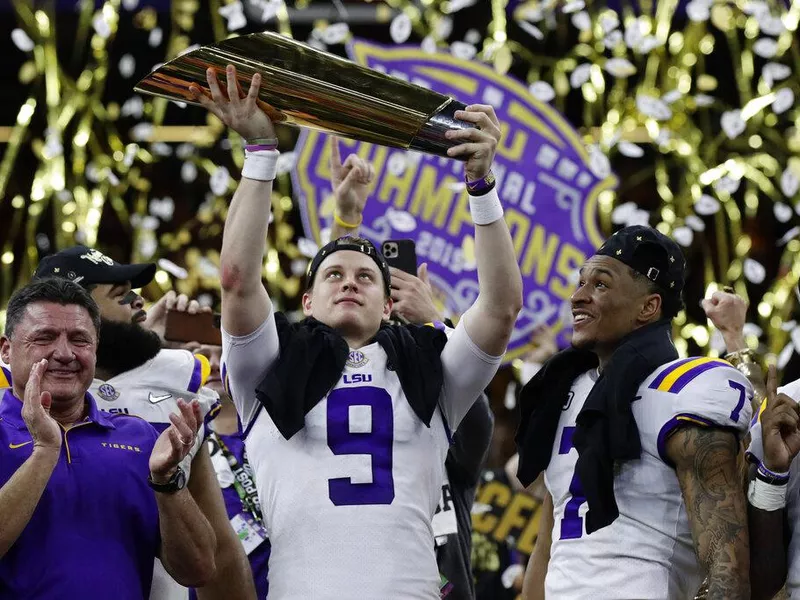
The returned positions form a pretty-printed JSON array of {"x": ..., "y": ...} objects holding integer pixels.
[
  {"x": 571, "y": 522},
  {"x": 377, "y": 443}
]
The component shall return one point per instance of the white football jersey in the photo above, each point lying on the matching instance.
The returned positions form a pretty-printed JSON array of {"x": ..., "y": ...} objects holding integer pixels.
[
  {"x": 755, "y": 453},
  {"x": 151, "y": 391},
  {"x": 647, "y": 552},
  {"x": 348, "y": 500}
]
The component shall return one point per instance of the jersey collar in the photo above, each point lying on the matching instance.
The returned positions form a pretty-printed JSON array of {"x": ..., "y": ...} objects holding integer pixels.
[{"x": 11, "y": 412}]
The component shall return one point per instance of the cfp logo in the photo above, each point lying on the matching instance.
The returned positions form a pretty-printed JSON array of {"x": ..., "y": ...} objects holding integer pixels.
[{"x": 97, "y": 257}]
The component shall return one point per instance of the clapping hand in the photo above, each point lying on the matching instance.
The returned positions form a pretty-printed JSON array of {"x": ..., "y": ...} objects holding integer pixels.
[{"x": 176, "y": 441}]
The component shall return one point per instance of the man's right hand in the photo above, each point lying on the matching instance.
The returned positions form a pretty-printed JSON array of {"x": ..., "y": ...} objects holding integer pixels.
[
  {"x": 780, "y": 427},
  {"x": 413, "y": 296},
  {"x": 728, "y": 313},
  {"x": 44, "y": 429},
  {"x": 350, "y": 181},
  {"x": 239, "y": 111}
]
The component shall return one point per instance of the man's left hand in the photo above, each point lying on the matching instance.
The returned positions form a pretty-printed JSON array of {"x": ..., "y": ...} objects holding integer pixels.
[
  {"x": 350, "y": 181},
  {"x": 175, "y": 442},
  {"x": 479, "y": 145},
  {"x": 413, "y": 296}
]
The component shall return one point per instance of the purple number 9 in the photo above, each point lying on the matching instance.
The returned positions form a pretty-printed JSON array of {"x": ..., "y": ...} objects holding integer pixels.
[
  {"x": 571, "y": 522},
  {"x": 377, "y": 442}
]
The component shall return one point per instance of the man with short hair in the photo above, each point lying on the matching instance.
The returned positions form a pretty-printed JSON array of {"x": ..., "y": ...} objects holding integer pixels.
[
  {"x": 646, "y": 441},
  {"x": 347, "y": 420},
  {"x": 77, "y": 518},
  {"x": 136, "y": 375}
]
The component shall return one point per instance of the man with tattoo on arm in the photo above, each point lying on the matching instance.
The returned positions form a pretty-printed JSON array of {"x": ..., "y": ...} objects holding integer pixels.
[{"x": 639, "y": 448}]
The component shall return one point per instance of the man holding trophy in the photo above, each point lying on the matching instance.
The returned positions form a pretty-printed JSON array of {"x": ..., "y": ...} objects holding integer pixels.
[{"x": 347, "y": 419}]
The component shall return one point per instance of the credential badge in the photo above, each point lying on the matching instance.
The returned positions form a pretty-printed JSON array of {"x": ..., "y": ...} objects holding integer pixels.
[
  {"x": 356, "y": 359},
  {"x": 107, "y": 392}
]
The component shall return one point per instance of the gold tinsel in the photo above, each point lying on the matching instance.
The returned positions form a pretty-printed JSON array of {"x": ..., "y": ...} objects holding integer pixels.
[{"x": 647, "y": 79}]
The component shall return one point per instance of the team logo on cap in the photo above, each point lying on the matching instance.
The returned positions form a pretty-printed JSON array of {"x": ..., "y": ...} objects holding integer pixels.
[
  {"x": 97, "y": 257},
  {"x": 107, "y": 392},
  {"x": 356, "y": 359}
]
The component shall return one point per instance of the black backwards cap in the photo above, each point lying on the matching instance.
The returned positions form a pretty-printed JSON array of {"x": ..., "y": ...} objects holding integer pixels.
[
  {"x": 651, "y": 253},
  {"x": 88, "y": 267},
  {"x": 356, "y": 245}
]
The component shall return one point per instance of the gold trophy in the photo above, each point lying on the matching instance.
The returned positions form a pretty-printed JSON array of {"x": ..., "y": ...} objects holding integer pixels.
[{"x": 307, "y": 87}]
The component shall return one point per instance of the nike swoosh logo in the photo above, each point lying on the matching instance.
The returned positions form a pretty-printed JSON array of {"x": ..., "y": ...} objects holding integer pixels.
[
  {"x": 156, "y": 399},
  {"x": 14, "y": 446}
]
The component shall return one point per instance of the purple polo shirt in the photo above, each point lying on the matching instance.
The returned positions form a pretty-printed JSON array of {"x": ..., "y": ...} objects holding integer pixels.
[{"x": 95, "y": 531}]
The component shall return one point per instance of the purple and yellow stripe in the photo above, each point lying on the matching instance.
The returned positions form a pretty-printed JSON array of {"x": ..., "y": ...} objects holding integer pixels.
[
  {"x": 681, "y": 420},
  {"x": 677, "y": 376},
  {"x": 5, "y": 378},
  {"x": 202, "y": 369}
]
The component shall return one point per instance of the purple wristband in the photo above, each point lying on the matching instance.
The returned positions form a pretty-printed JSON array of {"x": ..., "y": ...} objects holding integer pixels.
[
  {"x": 260, "y": 147},
  {"x": 482, "y": 186},
  {"x": 771, "y": 476}
]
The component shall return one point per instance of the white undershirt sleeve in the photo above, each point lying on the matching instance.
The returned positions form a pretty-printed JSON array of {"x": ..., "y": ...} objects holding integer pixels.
[
  {"x": 246, "y": 360},
  {"x": 467, "y": 371}
]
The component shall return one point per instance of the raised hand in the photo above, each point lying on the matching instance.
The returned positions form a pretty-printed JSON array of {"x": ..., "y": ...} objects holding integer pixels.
[
  {"x": 544, "y": 344},
  {"x": 478, "y": 145},
  {"x": 244, "y": 113},
  {"x": 728, "y": 313},
  {"x": 780, "y": 427},
  {"x": 176, "y": 441},
  {"x": 43, "y": 428},
  {"x": 413, "y": 296},
  {"x": 350, "y": 182}
]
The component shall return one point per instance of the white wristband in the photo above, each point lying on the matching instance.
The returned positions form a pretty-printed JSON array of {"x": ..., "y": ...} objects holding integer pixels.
[
  {"x": 485, "y": 209},
  {"x": 261, "y": 165},
  {"x": 766, "y": 496}
]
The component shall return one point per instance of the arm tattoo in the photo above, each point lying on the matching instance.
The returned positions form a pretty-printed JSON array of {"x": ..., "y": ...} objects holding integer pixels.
[{"x": 706, "y": 465}]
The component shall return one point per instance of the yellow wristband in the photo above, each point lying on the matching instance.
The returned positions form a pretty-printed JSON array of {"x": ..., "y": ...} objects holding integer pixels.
[{"x": 338, "y": 221}]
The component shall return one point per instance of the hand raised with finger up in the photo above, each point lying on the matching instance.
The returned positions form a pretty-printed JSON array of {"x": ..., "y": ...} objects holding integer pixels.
[{"x": 780, "y": 427}]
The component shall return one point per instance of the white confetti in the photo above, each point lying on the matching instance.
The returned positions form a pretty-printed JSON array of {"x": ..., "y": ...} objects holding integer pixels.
[
  {"x": 457, "y": 5},
  {"x": 173, "y": 269},
  {"x": 648, "y": 43},
  {"x": 683, "y": 236},
  {"x": 651, "y": 106},
  {"x": 727, "y": 184},
  {"x": 161, "y": 149},
  {"x": 789, "y": 235},
  {"x": 401, "y": 221},
  {"x": 634, "y": 34},
  {"x": 188, "y": 172},
  {"x": 101, "y": 26},
  {"x": 790, "y": 183},
  {"x": 757, "y": 8},
  {"x": 111, "y": 177},
  {"x": 400, "y": 28},
  {"x": 695, "y": 223},
  {"x": 620, "y": 67},
  {"x": 531, "y": 30},
  {"x": 706, "y": 205},
  {"x": 717, "y": 342},
  {"x": 155, "y": 37},
  {"x": 532, "y": 13},
  {"x": 542, "y": 91},
  {"x": 185, "y": 150},
  {"x": 622, "y": 213},
  {"x": 754, "y": 271},
  {"x": 752, "y": 329},
  {"x": 788, "y": 325},
  {"x": 286, "y": 162},
  {"x": 444, "y": 27},
  {"x": 472, "y": 37},
  {"x": 732, "y": 123},
  {"x": 21, "y": 40},
  {"x": 307, "y": 247},
  {"x": 234, "y": 15},
  {"x": 639, "y": 217},
  {"x": 609, "y": 22},
  {"x": 127, "y": 65},
  {"x": 782, "y": 212},
  {"x": 463, "y": 50},
  {"x": 672, "y": 96},
  {"x": 613, "y": 39},
  {"x": 149, "y": 223},
  {"x": 162, "y": 208},
  {"x": 582, "y": 21},
  {"x": 771, "y": 25},
  {"x": 147, "y": 246},
  {"x": 698, "y": 11},
  {"x": 630, "y": 149},
  {"x": 784, "y": 100},
  {"x": 142, "y": 132},
  {"x": 299, "y": 267},
  {"x": 773, "y": 72},
  {"x": 130, "y": 4},
  {"x": 219, "y": 181},
  {"x": 599, "y": 163},
  {"x": 580, "y": 75},
  {"x": 704, "y": 100},
  {"x": 785, "y": 356},
  {"x": 336, "y": 33},
  {"x": 574, "y": 6},
  {"x": 397, "y": 164},
  {"x": 765, "y": 47},
  {"x": 428, "y": 45},
  {"x": 268, "y": 8}
]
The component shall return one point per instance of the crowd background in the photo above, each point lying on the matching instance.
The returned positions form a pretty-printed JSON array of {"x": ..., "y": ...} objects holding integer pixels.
[{"x": 654, "y": 86}]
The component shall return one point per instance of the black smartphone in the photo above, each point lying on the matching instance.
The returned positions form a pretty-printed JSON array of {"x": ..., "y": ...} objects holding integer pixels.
[
  {"x": 203, "y": 328},
  {"x": 401, "y": 254}
]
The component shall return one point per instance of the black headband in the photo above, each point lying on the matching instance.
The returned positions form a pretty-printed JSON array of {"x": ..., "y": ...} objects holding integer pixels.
[{"x": 355, "y": 245}]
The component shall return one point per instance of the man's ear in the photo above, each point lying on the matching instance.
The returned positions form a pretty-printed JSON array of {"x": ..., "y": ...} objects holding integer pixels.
[
  {"x": 650, "y": 308},
  {"x": 5, "y": 350},
  {"x": 307, "y": 303},
  {"x": 387, "y": 308}
]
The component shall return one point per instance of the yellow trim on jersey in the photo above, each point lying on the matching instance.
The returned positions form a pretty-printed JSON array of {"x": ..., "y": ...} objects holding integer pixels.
[
  {"x": 670, "y": 379},
  {"x": 4, "y": 382},
  {"x": 691, "y": 420},
  {"x": 205, "y": 368}
]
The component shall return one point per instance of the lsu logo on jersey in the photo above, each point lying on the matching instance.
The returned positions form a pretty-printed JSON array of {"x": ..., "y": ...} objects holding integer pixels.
[{"x": 357, "y": 378}]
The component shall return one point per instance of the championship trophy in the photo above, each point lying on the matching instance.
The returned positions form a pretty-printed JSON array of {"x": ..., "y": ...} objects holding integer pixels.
[{"x": 310, "y": 88}]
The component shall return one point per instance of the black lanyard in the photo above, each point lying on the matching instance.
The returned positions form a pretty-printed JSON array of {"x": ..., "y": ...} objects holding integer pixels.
[{"x": 241, "y": 473}]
